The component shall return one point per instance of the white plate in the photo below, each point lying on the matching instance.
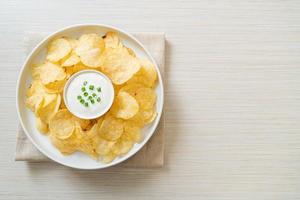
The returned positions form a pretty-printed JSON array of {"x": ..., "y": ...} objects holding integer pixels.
[{"x": 27, "y": 119}]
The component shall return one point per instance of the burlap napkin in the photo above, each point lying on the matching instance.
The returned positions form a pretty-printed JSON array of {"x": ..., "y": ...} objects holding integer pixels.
[{"x": 151, "y": 155}]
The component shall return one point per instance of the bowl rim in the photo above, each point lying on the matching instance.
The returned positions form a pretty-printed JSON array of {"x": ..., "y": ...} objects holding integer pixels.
[{"x": 82, "y": 25}]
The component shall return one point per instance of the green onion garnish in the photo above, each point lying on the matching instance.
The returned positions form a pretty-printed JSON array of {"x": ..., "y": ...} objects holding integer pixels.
[
  {"x": 91, "y": 87},
  {"x": 85, "y": 94},
  {"x": 98, "y": 99},
  {"x": 83, "y": 89},
  {"x": 90, "y": 97},
  {"x": 99, "y": 89},
  {"x": 85, "y": 83},
  {"x": 79, "y": 97},
  {"x": 92, "y": 101},
  {"x": 86, "y": 104},
  {"x": 82, "y": 101},
  {"x": 94, "y": 94}
]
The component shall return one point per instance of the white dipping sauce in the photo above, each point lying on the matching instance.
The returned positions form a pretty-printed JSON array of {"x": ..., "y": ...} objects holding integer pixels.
[{"x": 73, "y": 89}]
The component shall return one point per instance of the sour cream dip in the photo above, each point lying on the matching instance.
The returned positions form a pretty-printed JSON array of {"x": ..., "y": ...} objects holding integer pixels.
[{"x": 88, "y": 94}]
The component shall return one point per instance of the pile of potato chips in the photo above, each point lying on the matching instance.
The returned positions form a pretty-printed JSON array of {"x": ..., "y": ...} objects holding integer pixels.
[{"x": 112, "y": 134}]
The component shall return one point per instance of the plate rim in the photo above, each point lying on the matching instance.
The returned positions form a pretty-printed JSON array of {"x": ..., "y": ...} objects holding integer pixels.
[{"x": 82, "y": 25}]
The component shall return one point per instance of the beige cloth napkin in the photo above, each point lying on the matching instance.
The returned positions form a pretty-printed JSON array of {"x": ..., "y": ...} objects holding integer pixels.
[{"x": 151, "y": 155}]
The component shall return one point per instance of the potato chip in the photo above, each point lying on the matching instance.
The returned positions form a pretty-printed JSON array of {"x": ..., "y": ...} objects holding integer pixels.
[
  {"x": 104, "y": 147},
  {"x": 89, "y": 49},
  {"x": 76, "y": 68},
  {"x": 147, "y": 115},
  {"x": 112, "y": 40},
  {"x": 131, "y": 88},
  {"x": 50, "y": 72},
  {"x": 73, "y": 43},
  {"x": 62, "y": 124},
  {"x": 109, "y": 157},
  {"x": 144, "y": 117},
  {"x": 152, "y": 118},
  {"x": 125, "y": 145},
  {"x": 146, "y": 97},
  {"x": 92, "y": 58},
  {"x": 122, "y": 146},
  {"x": 65, "y": 146},
  {"x": 119, "y": 65},
  {"x": 36, "y": 94},
  {"x": 41, "y": 126},
  {"x": 34, "y": 98},
  {"x": 73, "y": 59},
  {"x": 133, "y": 131},
  {"x": 147, "y": 74},
  {"x": 125, "y": 106},
  {"x": 62, "y": 104},
  {"x": 131, "y": 52},
  {"x": 88, "y": 147},
  {"x": 58, "y": 49},
  {"x": 89, "y": 41},
  {"x": 55, "y": 87},
  {"x": 48, "y": 110},
  {"x": 111, "y": 128},
  {"x": 82, "y": 123}
]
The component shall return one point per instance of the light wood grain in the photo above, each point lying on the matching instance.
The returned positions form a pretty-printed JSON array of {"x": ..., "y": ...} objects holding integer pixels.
[{"x": 232, "y": 100}]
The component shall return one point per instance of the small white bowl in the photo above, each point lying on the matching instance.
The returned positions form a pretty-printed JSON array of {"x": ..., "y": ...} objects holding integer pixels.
[
  {"x": 27, "y": 119},
  {"x": 88, "y": 112}
]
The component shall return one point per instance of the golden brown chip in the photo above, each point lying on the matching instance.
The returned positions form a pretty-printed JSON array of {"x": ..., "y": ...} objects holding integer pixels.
[
  {"x": 71, "y": 60},
  {"x": 109, "y": 157},
  {"x": 122, "y": 146},
  {"x": 65, "y": 146},
  {"x": 111, "y": 128},
  {"x": 147, "y": 74},
  {"x": 146, "y": 97},
  {"x": 104, "y": 147},
  {"x": 133, "y": 131},
  {"x": 58, "y": 49},
  {"x": 50, "y": 72},
  {"x": 119, "y": 65},
  {"x": 41, "y": 126},
  {"x": 131, "y": 52},
  {"x": 73, "y": 43},
  {"x": 125, "y": 106},
  {"x": 55, "y": 87},
  {"x": 92, "y": 58},
  {"x": 112, "y": 40},
  {"x": 35, "y": 95},
  {"x": 76, "y": 68},
  {"x": 62, "y": 124},
  {"x": 47, "y": 110},
  {"x": 90, "y": 49}
]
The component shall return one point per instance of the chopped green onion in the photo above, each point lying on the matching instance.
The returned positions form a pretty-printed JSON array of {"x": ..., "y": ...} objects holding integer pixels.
[
  {"x": 85, "y": 83},
  {"x": 85, "y": 94},
  {"x": 98, "y": 99},
  {"x": 82, "y": 101},
  {"x": 91, "y": 87},
  {"x": 79, "y": 97},
  {"x": 94, "y": 94},
  {"x": 92, "y": 101},
  {"x": 83, "y": 89},
  {"x": 86, "y": 104},
  {"x": 99, "y": 89},
  {"x": 90, "y": 97}
]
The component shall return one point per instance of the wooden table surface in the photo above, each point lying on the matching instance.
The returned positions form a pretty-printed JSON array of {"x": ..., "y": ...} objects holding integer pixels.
[{"x": 232, "y": 100}]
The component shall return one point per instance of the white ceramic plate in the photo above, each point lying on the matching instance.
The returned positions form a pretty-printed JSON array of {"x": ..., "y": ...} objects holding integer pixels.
[{"x": 27, "y": 119}]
